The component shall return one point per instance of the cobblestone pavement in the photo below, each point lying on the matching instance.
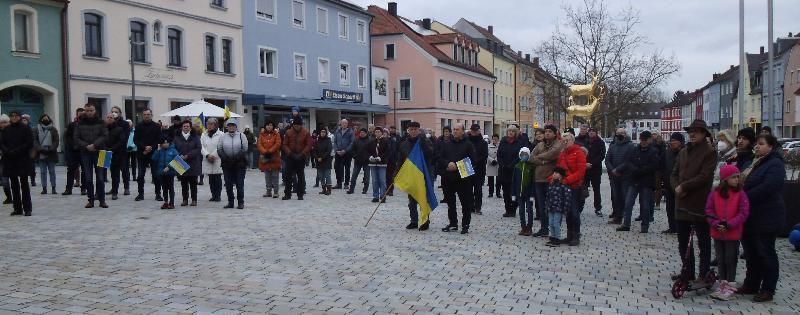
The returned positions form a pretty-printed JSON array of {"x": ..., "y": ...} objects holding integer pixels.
[{"x": 315, "y": 256}]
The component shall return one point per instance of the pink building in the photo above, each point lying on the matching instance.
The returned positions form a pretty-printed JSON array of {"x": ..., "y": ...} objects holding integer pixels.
[{"x": 433, "y": 79}]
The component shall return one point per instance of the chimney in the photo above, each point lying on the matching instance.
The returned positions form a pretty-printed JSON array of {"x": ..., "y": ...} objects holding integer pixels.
[
  {"x": 715, "y": 76},
  {"x": 528, "y": 57},
  {"x": 426, "y": 23},
  {"x": 761, "y": 50},
  {"x": 536, "y": 61},
  {"x": 790, "y": 34},
  {"x": 491, "y": 29},
  {"x": 393, "y": 8},
  {"x": 519, "y": 53},
  {"x": 731, "y": 66}
]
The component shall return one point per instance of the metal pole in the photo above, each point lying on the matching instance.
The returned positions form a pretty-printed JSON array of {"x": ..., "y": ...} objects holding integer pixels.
[
  {"x": 133, "y": 81},
  {"x": 742, "y": 66},
  {"x": 770, "y": 104},
  {"x": 394, "y": 107}
]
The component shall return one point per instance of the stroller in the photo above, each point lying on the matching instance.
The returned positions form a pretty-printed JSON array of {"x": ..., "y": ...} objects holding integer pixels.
[{"x": 683, "y": 284}]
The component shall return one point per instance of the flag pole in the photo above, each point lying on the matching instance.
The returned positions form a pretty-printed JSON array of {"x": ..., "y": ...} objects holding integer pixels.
[{"x": 380, "y": 202}]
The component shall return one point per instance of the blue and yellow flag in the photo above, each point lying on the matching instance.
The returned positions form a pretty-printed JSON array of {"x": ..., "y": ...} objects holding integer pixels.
[
  {"x": 226, "y": 112},
  {"x": 104, "y": 158},
  {"x": 201, "y": 122},
  {"x": 414, "y": 178},
  {"x": 465, "y": 168},
  {"x": 179, "y": 165}
]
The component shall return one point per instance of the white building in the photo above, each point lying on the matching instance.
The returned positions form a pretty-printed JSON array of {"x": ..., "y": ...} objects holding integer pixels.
[
  {"x": 644, "y": 117},
  {"x": 189, "y": 50}
]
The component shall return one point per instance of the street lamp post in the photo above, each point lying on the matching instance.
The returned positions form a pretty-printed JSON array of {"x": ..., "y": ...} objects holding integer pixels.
[{"x": 133, "y": 73}]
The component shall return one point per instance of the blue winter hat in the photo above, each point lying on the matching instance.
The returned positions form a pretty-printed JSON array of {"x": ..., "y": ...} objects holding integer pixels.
[
  {"x": 232, "y": 121},
  {"x": 296, "y": 108},
  {"x": 794, "y": 239}
]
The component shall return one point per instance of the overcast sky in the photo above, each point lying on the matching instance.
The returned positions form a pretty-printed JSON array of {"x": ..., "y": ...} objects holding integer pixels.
[{"x": 702, "y": 34}]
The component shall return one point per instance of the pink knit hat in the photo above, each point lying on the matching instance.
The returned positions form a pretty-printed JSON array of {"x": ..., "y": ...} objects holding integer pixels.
[{"x": 726, "y": 171}]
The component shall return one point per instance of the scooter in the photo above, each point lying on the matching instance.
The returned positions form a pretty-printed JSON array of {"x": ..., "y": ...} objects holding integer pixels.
[{"x": 683, "y": 284}]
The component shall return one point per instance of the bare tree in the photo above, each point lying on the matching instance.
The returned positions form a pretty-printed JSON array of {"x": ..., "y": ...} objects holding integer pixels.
[{"x": 591, "y": 40}]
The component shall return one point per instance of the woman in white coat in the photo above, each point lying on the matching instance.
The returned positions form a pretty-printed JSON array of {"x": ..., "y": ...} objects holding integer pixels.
[
  {"x": 491, "y": 166},
  {"x": 212, "y": 165}
]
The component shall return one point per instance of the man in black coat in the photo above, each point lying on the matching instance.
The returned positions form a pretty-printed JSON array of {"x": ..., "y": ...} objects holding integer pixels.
[
  {"x": 17, "y": 142},
  {"x": 594, "y": 168},
  {"x": 392, "y": 166},
  {"x": 90, "y": 137},
  {"x": 481, "y": 156},
  {"x": 360, "y": 154},
  {"x": 507, "y": 157},
  {"x": 413, "y": 135},
  {"x": 451, "y": 152},
  {"x": 668, "y": 159},
  {"x": 117, "y": 142},
  {"x": 72, "y": 156},
  {"x": 618, "y": 169},
  {"x": 146, "y": 138},
  {"x": 644, "y": 163}
]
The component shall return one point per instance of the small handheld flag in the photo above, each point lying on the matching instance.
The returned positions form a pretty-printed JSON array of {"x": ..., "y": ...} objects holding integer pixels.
[
  {"x": 465, "y": 168},
  {"x": 104, "y": 158},
  {"x": 415, "y": 179},
  {"x": 179, "y": 165}
]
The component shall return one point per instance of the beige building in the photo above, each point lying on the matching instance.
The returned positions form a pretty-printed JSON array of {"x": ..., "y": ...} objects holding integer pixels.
[{"x": 183, "y": 51}]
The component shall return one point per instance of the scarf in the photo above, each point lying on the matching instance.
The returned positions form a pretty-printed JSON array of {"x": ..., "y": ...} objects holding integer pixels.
[
  {"x": 45, "y": 140},
  {"x": 748, "y": 170},
  {"x": 186, "y": 135}
]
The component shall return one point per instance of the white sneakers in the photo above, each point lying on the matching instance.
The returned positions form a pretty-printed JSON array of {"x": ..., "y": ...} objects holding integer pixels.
[{"x": 724, "y": 291}]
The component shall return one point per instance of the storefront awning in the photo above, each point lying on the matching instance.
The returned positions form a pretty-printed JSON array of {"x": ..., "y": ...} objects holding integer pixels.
[{"x": 255, "y": 99}]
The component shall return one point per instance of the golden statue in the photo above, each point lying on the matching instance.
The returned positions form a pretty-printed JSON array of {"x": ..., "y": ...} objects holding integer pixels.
[{"x": 583, "y": 99}]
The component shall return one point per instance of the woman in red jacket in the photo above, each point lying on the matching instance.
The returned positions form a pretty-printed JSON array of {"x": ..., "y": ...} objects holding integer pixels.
[{"x": 573, "y": 159}]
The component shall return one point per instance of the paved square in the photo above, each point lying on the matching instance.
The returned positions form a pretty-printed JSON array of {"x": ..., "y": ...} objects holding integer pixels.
[{"x": 315, "y": 256}]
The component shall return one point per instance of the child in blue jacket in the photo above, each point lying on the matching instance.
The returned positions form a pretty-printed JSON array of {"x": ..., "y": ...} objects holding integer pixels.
[
  {"x": 557, "y": 204},
  {"x": 166, "y": 153}
]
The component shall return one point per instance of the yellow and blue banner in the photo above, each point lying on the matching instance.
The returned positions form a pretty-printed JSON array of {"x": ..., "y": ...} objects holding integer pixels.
[
  {"x": 226, "y": 113},
  {"x": 104, "y": 158},
  {"x": 465, "y": 168},
  {"x": 414, "y": 178},
  {"x": 201, "y": 122},
  {"x": 179, "y": 165}
]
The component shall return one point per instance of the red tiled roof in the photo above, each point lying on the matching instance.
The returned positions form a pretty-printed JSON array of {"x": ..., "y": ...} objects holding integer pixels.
[{"x": 385, "y": 23}]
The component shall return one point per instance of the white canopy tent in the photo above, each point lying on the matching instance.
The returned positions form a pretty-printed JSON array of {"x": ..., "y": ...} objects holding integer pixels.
[{"x": 195, "y": 108}]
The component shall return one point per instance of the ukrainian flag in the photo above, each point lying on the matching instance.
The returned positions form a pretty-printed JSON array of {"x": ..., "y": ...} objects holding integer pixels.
[
  {"x": 104, "y": 158},
  {"x": 201, "y": 121},
  {"x": 414, "y": 178},
  {"x": 179, "y": 165}
]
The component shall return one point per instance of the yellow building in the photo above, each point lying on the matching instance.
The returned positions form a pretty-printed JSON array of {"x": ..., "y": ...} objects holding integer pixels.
[
  {"x": 528, "y": 111},
  {"x": 752, "y": 92}
]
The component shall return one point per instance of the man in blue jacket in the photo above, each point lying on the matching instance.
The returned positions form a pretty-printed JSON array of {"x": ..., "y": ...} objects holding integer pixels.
[
  {"x": 643, "y": 165},
  {"x": 617, "y": 165},
  {"x": 343, "y": 143}
]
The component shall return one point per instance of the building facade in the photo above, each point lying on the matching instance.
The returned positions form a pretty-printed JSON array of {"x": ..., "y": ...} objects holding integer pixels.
[
  {"x": 752, "y": 92},
  {"x": 527, "y": 87},
  {"x": 711, "y": 94},
  {"x": 688, "y": 110},
  {"x": 643, "y": 117},
  {"x": 791, "y": 89},
  {"x": 773, "y": 97},
  {"x": 728, "y": 82},
  {"x": 671, "y": 112},
  {"x": 434, "y": 79},
  {"x": 314, "y": 54},
  {"x": 495, "y": 57},
  {"x": 32, "y": 74},
  {"x": 180, "y": 51}
]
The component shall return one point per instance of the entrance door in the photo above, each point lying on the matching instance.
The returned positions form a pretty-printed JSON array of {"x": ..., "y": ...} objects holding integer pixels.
[{"x": 24, "y": 101}]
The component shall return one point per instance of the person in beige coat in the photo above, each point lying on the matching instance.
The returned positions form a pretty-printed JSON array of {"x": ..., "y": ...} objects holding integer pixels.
[
  {"x": 544, "y": 157},
  {"x": 212, "y": 165}
]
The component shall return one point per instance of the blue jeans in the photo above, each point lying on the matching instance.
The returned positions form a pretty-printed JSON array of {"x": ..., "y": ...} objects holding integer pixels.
[
  {"x": 555, "y": 224},
  {"x": 378, "y": 180},
  {"x": 540, "y": 192},
  {"x": 96, "y": 191},
  {"x": 357, "y": 170},
  {"x": 619, "y": 191},
  {"x": 525, "y": 211},
  {"x": 47, "y": 167},
  {"x": 645, "y": 194},
  {"x": 324, "y": 176},
  {"x": 234, "y": 176}
]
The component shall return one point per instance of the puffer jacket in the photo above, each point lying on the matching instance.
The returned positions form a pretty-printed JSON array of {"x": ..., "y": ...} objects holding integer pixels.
[
  {"x": 378, "y": 149},
  {"x": 764, "y": 188},
  {"x": 91, "y": 131},
  {"x": 643, "y": 166},
  {"x": 481, "y": 154},
  {"x": 733, "y": 211},
  {"x": 545, "y": 156},
  {"x": 51, "y": 153},
  {"x": 269, "y": 143},
  {"x": 597, "y": 153},
  {"x": 232, "y": 150},
  {"x": 522, "y": 182},
  {"x": 453, "y": 151},
  {"x": 297, "y": 145},
  {"x": 573, "y": 159},
  {"x": 360, "y": 151},
  {"x": 161, "y": 159},
  {"x": 507, "y": 158},
  {"x": 618, "y": 157},
  {"x": 694, "y": 172},
  {"x": 322, "y": 152},
  {"x": 343, "y": 139},
  {"x": 191, "y": 148},
  {"x": 209, "y": 144}
]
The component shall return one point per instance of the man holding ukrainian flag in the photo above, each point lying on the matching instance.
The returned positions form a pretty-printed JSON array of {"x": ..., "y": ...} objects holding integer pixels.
[{"x": 414, "y": 178}]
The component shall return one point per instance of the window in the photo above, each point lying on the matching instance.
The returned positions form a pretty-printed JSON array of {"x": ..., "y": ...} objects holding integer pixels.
[
  {"x": 299, "y": 13},
  {"x": 343, "y": 33},
  {"x": 458, "y": 92},
  {"x": 210, "y": 56},
  {"x": 93, "y": 34},
  {"x": 455, "y": 52},
  {"x": 405, "y": 89},
  {"x": 389, "y": 52},
  {"x": 23, "y": 27},
  {"x": 478, "y": 96},
  {"x": 344, "y": 74},
  {"x": 322, "y": 20},
  {"x": 218, "y": 3},
  {"x": 299, "y": 67},
  {"x": 157, "y": 32},
  {"x": 465, "y": 94},
  {"x": 472, "y": 95},
  {"x": 655, "y": 124},
  {"x": 324, "y": 69},
  {"x": 441, "y": 89},
  {"x": 226, "y": 55},
  {"x": 362, "y": 76},
  {"x": 361, "y": 31},
  {"x": 265, "y": 10},
  {"x": 137, "y": 36},
  {"x": 268, "y": 62},
  {"x": 174, "y": 38},
  {"x": 450, "y": 91}
]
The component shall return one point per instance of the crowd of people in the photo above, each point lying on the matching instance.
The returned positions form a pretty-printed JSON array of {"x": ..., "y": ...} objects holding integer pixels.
[{"x": 724, "y": 187}]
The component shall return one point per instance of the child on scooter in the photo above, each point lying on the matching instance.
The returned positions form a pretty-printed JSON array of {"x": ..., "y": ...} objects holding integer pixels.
[{"x": 727, "y": 207}]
